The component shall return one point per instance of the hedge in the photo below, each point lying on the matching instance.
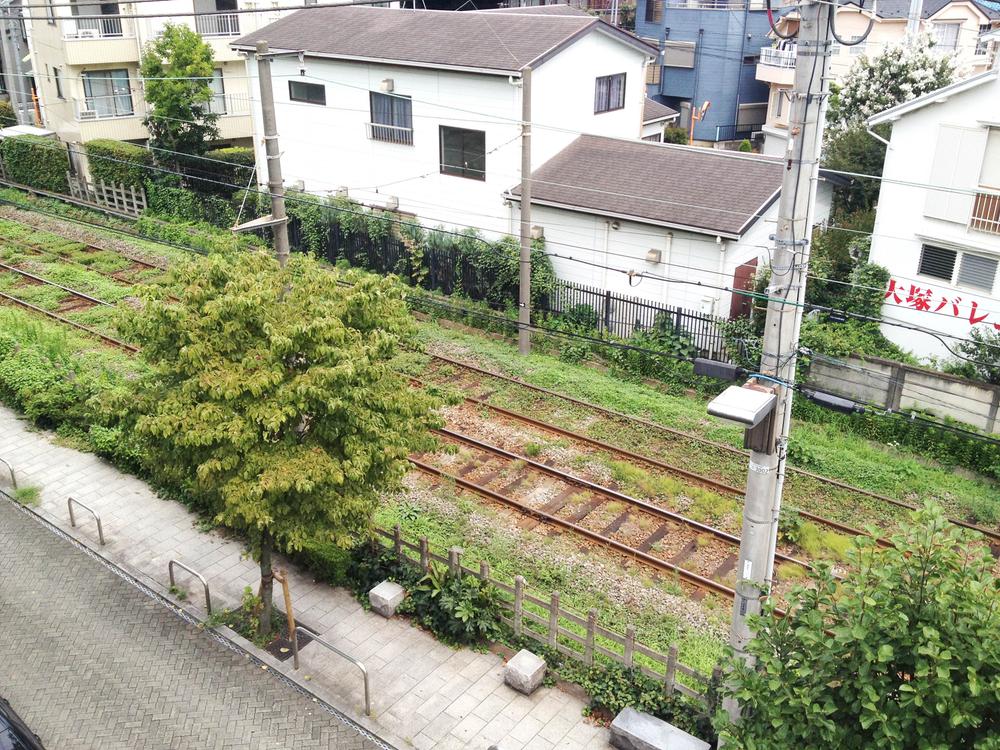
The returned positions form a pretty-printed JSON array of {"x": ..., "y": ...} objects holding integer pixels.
[
  {"x": 119, "y": 163},
  {"x": 7, "y": 117},
  {"x": 241, "y": 158},
  {"x": 36, "y": 162}
]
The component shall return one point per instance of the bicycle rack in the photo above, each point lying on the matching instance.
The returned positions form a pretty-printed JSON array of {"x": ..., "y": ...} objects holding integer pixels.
[
  {"x": 196, "y": 574},
  {"x": 13, "y": 479},
  {"x": 334, "y": 649},
  {"x": 72, "y": 520}
]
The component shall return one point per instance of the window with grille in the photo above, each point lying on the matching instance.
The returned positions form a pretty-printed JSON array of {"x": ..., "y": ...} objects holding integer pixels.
[
  {"x": 392, "y": 118},
  {"x": 977, "y": 271},
  {"x": 310, "y": 93},
  {"x": 937, "y": 262},
  {"x": 609, "y": 93},
  {"x": 463, "y": 153},
  {"x": 654, "y": 11},
  {"x": 946, "y": 36},
  {"x": 217, "y": 104}
]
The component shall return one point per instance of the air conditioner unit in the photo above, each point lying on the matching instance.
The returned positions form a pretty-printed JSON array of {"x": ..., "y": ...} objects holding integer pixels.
[{"x": 88, "y": 114}]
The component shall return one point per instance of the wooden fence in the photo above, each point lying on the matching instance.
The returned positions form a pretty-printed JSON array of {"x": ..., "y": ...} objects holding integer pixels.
[
  {"x": 120, "y": 198},
  {"x": 542, "y": 619}
]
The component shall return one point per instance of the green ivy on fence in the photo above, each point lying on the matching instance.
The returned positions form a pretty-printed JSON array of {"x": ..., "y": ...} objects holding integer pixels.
[
  {"x": 118, "y": 163},
  {"x": 35, "y": 161}
]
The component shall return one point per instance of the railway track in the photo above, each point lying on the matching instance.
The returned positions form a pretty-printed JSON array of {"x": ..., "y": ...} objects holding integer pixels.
[{"x": 481, "y": 399}]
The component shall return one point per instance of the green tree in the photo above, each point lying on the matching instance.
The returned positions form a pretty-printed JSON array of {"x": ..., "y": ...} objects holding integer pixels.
[
  {"x": 854, "y": 149},
  {"x": 901, "y": 654},
  {"x": 675, "y": 135},
  {"x": 273, "y": 398},
  {"x": 177, "y": 67},
  {"x": 983, "y": 348}
]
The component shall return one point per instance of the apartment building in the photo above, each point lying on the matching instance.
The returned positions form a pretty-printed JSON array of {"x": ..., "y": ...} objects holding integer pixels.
[
  {"x": 959, "y": 27},
  {"x": 937, "y": 228},
  {"x": 87, "y": 68}
]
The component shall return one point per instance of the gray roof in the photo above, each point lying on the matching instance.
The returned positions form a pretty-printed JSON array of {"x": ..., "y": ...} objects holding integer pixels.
[
  {"x": 500, "y": 42},
  {"x": 654, "y": 111},
  {"x": 897, "y": 9},
  {"x": 541, "y": 10},
  {"x": 710, "y": 191}
]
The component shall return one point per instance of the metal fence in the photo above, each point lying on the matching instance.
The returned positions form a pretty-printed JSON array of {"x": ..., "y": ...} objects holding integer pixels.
[{"x": 545, "y": 620}]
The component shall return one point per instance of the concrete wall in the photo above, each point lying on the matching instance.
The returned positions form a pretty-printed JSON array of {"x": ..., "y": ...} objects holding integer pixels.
[{"x": 895, "y": 386}]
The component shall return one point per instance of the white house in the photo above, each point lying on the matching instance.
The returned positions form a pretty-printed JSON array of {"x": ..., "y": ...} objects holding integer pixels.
[
  {"x": 421, "y": 110},
  {"x": 695, "y": 220},
  {"x": 937, "y": 228},
  {"x": 656, "y": 117}
]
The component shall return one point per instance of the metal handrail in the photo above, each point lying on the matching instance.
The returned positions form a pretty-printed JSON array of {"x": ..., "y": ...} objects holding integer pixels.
[
  {"x": 355, "y": 662},
  {"x": 196, "y": 574},
  {"x": 13, "y": 479},
  {"x": 72, "y": 520}
]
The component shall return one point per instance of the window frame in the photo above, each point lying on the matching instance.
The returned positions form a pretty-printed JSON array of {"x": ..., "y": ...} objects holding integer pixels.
[
  {"x": 960, "y": 268},
  {"x": 597, "y": 93},
  {"x": 306, "y": 100},
  {"x": 924, "y": 247},
  {"x": 58, "y": 81},
  {"x": 401, "y": 134},
  {"x": 89, "y": 76},
  {"x": 219, "y": 95},
  {"x": 957, "y": 264},
  {"x": 464, "y": 172}
]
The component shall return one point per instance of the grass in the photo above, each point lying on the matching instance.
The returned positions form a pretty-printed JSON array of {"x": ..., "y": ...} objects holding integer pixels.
[
  {"x": 637, "y": 481},
  {"x": 533, "y": 450},
  {"x": 28, "y": 495},
  {"x": 789, "y": 571},
  {"x": 821, "y": 543}
]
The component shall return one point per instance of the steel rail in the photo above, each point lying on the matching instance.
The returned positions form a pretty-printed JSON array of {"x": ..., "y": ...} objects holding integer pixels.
[
  {"x": 990, "y": 533},
  {"x": 610, "y": 494},
  {"x": 74, "y": 292},
  {"x": 66, "y": 321}
]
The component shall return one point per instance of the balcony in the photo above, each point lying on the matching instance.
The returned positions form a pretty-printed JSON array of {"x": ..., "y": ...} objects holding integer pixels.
[
  {"x": 390, "y": 133},
  {"x": 108, "y": 107},
  {"x": 226, "y": 105},
  {"x": 777, "y": 65},
  {"x": 95, "y": 41},
  {"x": 218, "y": 24},
  {"x": 986, "y": 213}
]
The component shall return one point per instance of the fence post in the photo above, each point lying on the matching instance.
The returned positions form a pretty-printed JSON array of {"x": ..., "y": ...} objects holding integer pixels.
[
  {"x": 518, "y": 604},
  {"x": 607, "y": 310},
  {"x": 397, "y": 542},
  {"x": 553, "y": 619},
  {"x": 895, "y": 391},
  {"x": 629, "y": 645},
  {"x": 588, "y": 648},
  {"x": 425, "y": 555},
  {"x": 991, "y": 418},
  {"x": 455, "y": 560},
  {"x": 484, "y": 571},
  {"x": 671, "y": 674}
]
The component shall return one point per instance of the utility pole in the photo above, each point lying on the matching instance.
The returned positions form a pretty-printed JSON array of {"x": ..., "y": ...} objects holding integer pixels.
[
  {"x": 789, "y": 265},
  {"x": 524, "y": 285},
  {"x": 275, "y": 182}
]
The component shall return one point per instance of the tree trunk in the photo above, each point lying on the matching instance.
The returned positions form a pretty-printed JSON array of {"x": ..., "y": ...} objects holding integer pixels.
[{"x": 266, "y": 582}]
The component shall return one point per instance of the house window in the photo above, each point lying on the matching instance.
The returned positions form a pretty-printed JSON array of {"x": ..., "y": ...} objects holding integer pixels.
[
  {"x": 654, "y": 11},
  {"x": 463, "y": 153},
  {"x": 779, "y": 102},
  {"x": 107, "y": 93},
  {"x": 392, "y": 118},
  {"x": 50, "y": 13},
  {"x": 609, "y": 93},
  {"x": 982, "y": 44},
  {"x": 946, "y": 35},
  {"x": 989, "y": 174},
  {"x": 937, "y": 262},
  {"x": 678, "y": 54},
  {"x": 58, "y": 80},
  {"x": 217, "y": 104},
  {"x": 310, "y": 93},
  {"x": 858, "y": 49},
  {"x": 977, "y": 272}
]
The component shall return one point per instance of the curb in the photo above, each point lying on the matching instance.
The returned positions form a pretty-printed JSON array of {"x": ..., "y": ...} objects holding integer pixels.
[{"x": 222, "y": 634}]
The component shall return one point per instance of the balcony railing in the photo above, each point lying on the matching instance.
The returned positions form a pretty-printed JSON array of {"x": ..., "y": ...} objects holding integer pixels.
[
  {"x": 94, "y": 28},
  {"x": 779, "y": 58},
  {"x": 390, "y": 133},
  {"x": 986, "y": 213},
  {"x": 220, "y": 24},
  {"x": 229, "y": 104},
  {"x": 106, "y": 107},
  {"x": 716, "y": 4}
]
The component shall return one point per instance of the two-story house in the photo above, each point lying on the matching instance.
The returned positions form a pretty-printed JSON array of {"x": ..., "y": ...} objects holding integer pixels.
[
  {"x": 87, "y": 69},
  {"x": 421, "y": 110},
  {"x": 937, "y": 228},
  {"x": 958, "y": 27},
  {"x": 710, "y": 49}
]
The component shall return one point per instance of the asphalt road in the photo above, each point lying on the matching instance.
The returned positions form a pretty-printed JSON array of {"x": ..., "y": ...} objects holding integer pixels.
[{"x": 90, "y": 661}]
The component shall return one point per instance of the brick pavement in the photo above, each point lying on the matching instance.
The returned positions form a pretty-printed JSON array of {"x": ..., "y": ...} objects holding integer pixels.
[
  {"x": 424, "y": 694},
  {"x": 89, "y": 661}
]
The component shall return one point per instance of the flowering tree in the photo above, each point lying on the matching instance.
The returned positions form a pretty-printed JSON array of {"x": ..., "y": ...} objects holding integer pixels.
[{"x": 896, "y": 74}]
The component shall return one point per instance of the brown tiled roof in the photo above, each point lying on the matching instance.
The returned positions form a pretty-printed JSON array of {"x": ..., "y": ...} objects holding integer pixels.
[
  {"x": 505, "y": 42},
  {"x": 715, "y": 192},
  {"x": 652, "y": 110}
]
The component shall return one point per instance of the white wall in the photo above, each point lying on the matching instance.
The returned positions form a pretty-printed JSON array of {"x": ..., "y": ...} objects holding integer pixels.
[{"x": 901, "y": 224}]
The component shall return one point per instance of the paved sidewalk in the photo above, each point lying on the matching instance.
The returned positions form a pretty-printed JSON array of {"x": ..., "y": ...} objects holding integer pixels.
[
  {"x": 90, "y": 661},
  {"x": 424, "y": 694}
]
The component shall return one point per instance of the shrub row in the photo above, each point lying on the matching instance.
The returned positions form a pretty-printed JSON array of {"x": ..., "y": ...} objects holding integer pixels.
[{"x": 36, "y": 162}]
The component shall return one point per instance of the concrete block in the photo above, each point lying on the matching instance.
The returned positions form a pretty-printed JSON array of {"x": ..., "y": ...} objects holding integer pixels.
[
  {"x": 386, "y": 597},
  {"x": 634, "y": 730},
  {"x": 524, "y": 672}
]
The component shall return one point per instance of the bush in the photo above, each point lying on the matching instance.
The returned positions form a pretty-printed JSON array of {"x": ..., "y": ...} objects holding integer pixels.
[
  {"x": 7, "y": 116},
  {"x": 179, "y": 203},
  {"x": 119, "y": 163},
  {"x": 745, "y": 146},
  {"x": 242, "y": 160},
  {"x": 37, "y": 162},
  {"x": 675, "y": 135},
  {"x": 984, "y": 349},
  {"x": 458, "y": 609}
]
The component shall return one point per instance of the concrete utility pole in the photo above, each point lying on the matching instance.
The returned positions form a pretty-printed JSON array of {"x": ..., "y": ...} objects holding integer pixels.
[
  {"x": 275, "y": 182},
  {"x": 913, "y": 19},
  {"x": 524, "y": 285},
  {"x": 789, "y": 264}
]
